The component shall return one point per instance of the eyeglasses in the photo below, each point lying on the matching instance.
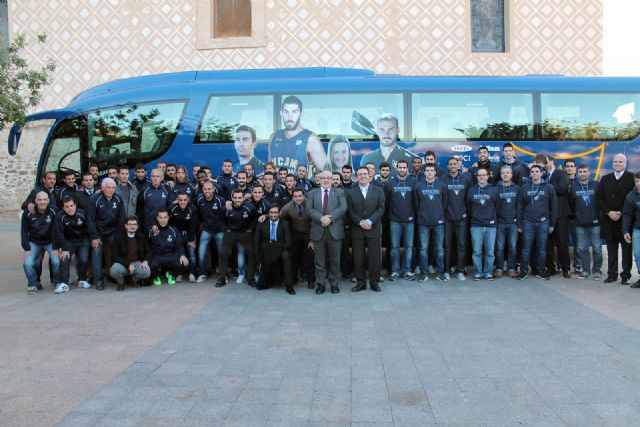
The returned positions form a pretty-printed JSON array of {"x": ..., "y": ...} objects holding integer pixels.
[{"x": 132, "y": 225}]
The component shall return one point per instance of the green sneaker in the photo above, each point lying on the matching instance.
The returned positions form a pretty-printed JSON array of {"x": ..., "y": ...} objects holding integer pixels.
[
  {"x": 157, "y": 281},
  {"x": 170, "y": 279}
]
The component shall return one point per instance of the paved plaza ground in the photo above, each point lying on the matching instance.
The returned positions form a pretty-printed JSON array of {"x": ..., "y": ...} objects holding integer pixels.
[{"x": 564, "y": 352}]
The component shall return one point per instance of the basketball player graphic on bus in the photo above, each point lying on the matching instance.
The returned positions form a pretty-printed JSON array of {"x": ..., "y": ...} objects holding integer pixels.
[{"x": 295, "y": 145}]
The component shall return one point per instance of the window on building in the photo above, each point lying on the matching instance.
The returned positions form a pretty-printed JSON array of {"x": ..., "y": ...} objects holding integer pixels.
[
  {"x": 222, "y": 24},
  {"x": 4, "y": 23},
  {"x": 231, "y": 18},
  {"x": 488, "y": 26}
]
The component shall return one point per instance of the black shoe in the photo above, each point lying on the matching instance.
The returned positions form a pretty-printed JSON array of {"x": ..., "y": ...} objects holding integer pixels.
[
  {"x": 566, "y": 274},
  {"x": 625, "y": 281},
  {"x": 221, "y": 282},
  {"x": 610, "y": 279},
  {"x": 335, "y": 289},
  {"x": 358, "y": 288},
  {"x": 252, "y": 283},
  {"x": 311, "y": 285},
  {"x": 542, "y": 276},
  {"x": 100, "y": 287},
  {"x": 120, "y": 287},
  {"x": 291, "y": 291},
  {"x": 39, "y": 286},
  {"x": 375, "y": 287},
  {"x": 636, "y": 284},
  {"x": 320, "y": 289},
  {"x": 523, "y": 275}
]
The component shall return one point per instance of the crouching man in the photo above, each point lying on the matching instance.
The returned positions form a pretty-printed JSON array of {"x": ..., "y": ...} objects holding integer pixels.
[
  {"x": 167, "y": 249},
  {"x": 130, "y": 254},
  {"x": 71, "y": 237}
]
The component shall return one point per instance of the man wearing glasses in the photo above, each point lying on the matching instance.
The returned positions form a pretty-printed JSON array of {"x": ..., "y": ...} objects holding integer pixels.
[
  {"x": 130, "y": 254},
  {"x": 326, "y": 206}
]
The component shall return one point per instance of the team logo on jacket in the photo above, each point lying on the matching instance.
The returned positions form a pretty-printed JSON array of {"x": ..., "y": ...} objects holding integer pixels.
[
  {"x": 115, "y": 205},
  {"x": 79, "y": 221},
  {"x": 48, "y": 219},
  {"x": 169, "y": 239}
]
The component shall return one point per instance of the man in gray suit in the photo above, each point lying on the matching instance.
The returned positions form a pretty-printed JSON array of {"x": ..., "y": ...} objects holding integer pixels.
[
  {"x": 326, "y": 207},
  {"x": 366, "y": 207}
]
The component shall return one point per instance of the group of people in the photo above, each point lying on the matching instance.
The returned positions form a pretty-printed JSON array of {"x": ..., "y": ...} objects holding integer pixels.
[{"x": 271, "y": 226}]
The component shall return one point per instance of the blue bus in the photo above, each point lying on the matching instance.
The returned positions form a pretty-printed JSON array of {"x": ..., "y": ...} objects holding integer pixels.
[{"x": 327, "y": 117}]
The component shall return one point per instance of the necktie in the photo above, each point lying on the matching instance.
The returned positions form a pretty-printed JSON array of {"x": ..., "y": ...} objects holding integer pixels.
[
  {"x": 300, "y": 210},
  {"x": 325, "y": 203},
  {"x": 273, "y": 232}
]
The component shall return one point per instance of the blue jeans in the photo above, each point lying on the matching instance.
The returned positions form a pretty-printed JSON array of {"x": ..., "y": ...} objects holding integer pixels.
[
  {"x": 506, "y": 233},
  {"x": 96, "y": 258},
  {"x": 483, "y": 238},
  {"x": 33, "y": 261},
  {"x": 589, "y": 237},
  {"x": 573, "y": 235},
  {"x": 401, "y": 231},
  {"x": 241, "y": 259},
  {"x": 438, "y": 236},
  {"x": 81, "y": 251},
  {"x": 205, "y": 238},
  {"x": 538, "y": 233},
  {"x": 635, "y": 241}
]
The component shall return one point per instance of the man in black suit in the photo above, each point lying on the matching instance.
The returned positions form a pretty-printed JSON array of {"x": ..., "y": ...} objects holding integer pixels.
[
  {"x": 366, "y": 208},
  {"x": 273, "y": 240},
  {"x": 560, "y": 236},
  {"x": 612, "y": 191}
]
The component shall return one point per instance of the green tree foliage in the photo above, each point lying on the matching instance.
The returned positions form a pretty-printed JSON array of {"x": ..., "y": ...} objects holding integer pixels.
[{"x": 20, "y": 85}]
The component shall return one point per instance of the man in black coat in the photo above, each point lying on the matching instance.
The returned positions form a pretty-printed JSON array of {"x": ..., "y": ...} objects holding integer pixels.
[
  {"x": 130, "y": 253},
  {"x": 560, "y": 237},
  {"x": 366, "y": 208},
  {"x": 273, "y": 240},
  {"x": 612, "y": 191}
]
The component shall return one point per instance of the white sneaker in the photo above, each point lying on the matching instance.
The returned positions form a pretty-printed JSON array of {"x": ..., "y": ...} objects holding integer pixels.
[
  {"x": 460, "y": 276},
  {"x": 409, "y": 276},
  {"x": 447, "y": 276},
  {"x": 192, "y": 278},
  {"x": 84, "y": 284},
  {"x": 432, "y": 269},
  {"x": 201, "y": 278},
  {"x": 240, "y": 279},
  {"x": 61, "y": 288},
  {"x": 179, "y": 278}
]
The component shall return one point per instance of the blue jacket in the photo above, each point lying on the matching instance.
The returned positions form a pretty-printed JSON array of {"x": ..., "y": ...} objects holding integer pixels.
[
  {"x": 631, "y": 212},
  {"x": 399, "y": 198},
  {"x": 105, "y": 216},
  {"x": 184, "y": 220},
  {"x": 508, "y": 203},
  {"x": 430, "y": 201},
  {"x": 241, "y": 219},
  {"x": 584, "y": 203},
  {"x": 69, "y": 229},
  {"x": 457, "y": 187},
  {"x": 211, "y": 213},
  {"x": 168, "y": 241},
  {"x": 537, "y": 204},
  {"x": 482, "y": 203},
  {"x": 152, "y": 199},
  {"x": 37, "y": 227}
]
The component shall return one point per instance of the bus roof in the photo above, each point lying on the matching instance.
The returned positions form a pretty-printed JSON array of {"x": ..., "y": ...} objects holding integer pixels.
[{"x": 323, "y": 79}]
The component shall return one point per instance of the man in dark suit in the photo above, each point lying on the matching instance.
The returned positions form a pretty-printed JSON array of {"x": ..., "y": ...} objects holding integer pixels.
[
  {"x": 366, "y": 208},
  {"x": 273, "y": 240},
  {"x": 301, "y": 253},
  {"x": 327, "y": 207},
  {"x": 560, "y": 236},
  {"x": 612, "y": 191}
]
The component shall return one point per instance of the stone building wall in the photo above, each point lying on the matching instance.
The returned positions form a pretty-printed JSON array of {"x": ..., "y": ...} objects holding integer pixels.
[{"x": 101, "y": 40}]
